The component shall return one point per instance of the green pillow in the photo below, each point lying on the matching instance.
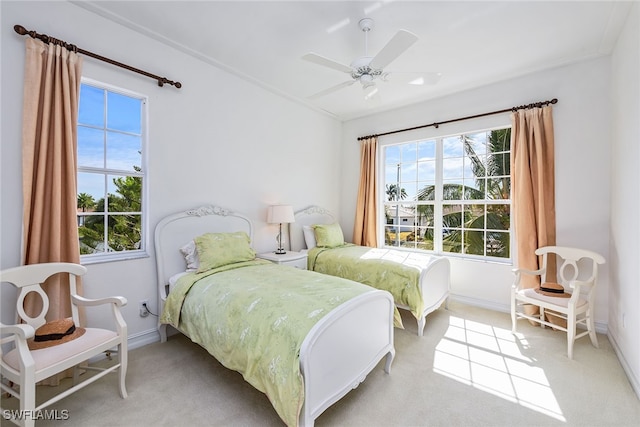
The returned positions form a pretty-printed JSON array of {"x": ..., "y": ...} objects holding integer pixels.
[
  {"x": 328, "y": 235},
  {"x": 218, "y": 249}
]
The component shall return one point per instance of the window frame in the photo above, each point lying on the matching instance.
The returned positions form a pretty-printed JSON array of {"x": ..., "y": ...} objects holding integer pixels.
[
  {"x": 143, "y": 174},
  {"x": 438, "y": 201}
]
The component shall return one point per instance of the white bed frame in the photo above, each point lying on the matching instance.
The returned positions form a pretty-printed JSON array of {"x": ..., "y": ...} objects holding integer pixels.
[
  {"x": 434, "y": 277},
  {"x": 339, "y": 351}
]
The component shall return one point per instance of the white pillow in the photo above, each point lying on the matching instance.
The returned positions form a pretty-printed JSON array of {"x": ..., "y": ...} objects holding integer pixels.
[
  {"x": 191, "y": 256},
  {"x": 309, "y": 236}
]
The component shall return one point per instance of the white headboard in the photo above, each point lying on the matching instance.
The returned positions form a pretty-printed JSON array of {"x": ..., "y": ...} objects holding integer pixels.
[
  {"x": 308, "y": 216},
  {"x": 174, "y": 231}
]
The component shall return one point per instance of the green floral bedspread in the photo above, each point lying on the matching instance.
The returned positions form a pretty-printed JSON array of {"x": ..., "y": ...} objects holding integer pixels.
[
  {"x": 253, "y": 317},
  {"x": 391, "y": 270}
]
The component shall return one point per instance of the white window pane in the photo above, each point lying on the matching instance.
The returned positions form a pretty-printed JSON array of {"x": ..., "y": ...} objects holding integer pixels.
[
  {"x": 123, "y": 113},
  {"x": 91, "y": 106},
  {"x": 452, "y": 147},
  {"x": 409, "y": 152},
  {"x": 477, "y": 142},
  {"x": 392, "y": 154},
  {"x": 452, "y": 168},
  {"x": 124, "y": 193},
  {"x": 408, "y": 172},
  {"x": 124, "y": 152},
  {"x": 90, "y": 147},
  {"x": 91, "y": 188},
  {"x": 427, "y": 150},
  {"x": 427, "y": 170}
]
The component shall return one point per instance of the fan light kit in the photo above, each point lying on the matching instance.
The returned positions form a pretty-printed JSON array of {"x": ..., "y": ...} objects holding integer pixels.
[{"x": 366, "y": 69}]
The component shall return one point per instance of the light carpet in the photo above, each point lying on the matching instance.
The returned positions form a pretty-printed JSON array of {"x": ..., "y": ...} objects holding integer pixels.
[{"x": 468, "y": 370}]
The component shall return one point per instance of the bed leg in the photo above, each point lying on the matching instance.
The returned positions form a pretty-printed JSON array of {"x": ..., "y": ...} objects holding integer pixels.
[
  {"x": 421, "y": 324},
  {"x": 162, "y": 330},
  {"x": 390, "y": 356}
]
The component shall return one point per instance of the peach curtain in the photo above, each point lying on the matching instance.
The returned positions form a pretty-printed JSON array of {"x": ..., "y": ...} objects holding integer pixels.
[
  {"x": 49, "y": 166},
  {"x": 365, "y": 228},
  {"x": 533, "y": 187}
]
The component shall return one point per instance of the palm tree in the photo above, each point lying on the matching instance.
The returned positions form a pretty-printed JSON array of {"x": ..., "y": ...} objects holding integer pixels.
[
  {"x": 392, "y": 193},
  {"x": 124, "y": 229},
  {"x": 85, "y": 201},
  {"x": 497, "y": 165}
]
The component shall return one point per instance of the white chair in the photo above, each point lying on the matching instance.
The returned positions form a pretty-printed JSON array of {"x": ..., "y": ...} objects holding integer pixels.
[
  {"x": 577, "y": 272},
  {"x": 24, "y": 367}
]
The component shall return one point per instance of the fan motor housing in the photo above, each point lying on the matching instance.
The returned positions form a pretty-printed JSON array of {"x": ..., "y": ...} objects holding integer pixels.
[{"x": 361, "y": 68}]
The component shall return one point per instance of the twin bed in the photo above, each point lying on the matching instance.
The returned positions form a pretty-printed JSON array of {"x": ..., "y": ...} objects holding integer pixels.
[
  {"x": 418, "y": 282},
  {"x": 304, "y": 339}
]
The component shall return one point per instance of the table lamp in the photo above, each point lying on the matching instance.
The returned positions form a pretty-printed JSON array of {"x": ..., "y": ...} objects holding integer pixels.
[{"x": 279, "y": 214}]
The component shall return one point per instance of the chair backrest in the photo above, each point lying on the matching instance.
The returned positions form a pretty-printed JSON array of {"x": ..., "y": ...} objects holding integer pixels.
[
  {"x": 574, "y": 264},
  {"x": 29, "y": 278}
]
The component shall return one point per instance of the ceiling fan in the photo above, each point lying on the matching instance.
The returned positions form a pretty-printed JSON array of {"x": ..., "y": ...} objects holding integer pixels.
[{"x": 366, "y": 69}]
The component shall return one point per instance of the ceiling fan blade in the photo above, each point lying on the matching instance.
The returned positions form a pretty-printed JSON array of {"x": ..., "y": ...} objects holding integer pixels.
[
  {"x": 332, "y": 89},
  {"x": 396, "y": 46},
  {"x": 326, "y": 62}
]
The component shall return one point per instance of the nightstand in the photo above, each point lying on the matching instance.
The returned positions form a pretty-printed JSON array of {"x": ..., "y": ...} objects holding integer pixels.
[{"x": 292, "y": 259}]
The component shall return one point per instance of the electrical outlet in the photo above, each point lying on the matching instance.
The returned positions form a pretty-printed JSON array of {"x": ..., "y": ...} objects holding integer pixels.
[{"x": 143, "y": 310}]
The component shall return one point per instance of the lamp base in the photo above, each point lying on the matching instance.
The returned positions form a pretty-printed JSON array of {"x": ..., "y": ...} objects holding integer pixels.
[{"x": 280, "y": 252}]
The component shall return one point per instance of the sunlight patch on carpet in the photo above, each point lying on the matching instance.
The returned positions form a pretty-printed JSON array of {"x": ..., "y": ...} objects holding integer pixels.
[{"x": 489, "y": 359}]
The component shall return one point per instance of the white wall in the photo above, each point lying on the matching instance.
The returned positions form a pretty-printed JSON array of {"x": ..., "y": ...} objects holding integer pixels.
[
  {"x": 582, "y": 135},
  {"x": 624, "y": 317},
  {"x": 219, "y": 140}
]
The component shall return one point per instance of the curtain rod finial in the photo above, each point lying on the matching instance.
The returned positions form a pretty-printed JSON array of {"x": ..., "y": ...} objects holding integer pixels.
[{"x": 20, "y": 29}]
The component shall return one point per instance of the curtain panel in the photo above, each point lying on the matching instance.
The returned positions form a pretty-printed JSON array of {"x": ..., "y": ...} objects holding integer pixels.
[
  {"x": 533, "y": 188},
  {"x": 365, "y": 227},
  {"x": 49, "y": 166}
]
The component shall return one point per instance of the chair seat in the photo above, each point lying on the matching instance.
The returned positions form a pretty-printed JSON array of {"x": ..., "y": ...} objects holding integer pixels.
[
  {"x": 46, "y": 357},
  {"x": 559, "y": 301}
]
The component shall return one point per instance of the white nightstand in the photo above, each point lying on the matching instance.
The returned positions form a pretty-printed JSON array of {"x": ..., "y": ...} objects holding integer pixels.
[{"x": 292, "y": 259}]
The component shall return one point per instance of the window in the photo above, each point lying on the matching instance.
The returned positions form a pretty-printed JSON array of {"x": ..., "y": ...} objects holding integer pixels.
[
  {"x": 450, "y": 195},
  {"x": 111, "y": 175}
]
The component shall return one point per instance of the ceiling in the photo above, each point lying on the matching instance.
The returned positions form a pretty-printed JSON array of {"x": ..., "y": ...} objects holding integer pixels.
[{"x": 468, "y": 44}]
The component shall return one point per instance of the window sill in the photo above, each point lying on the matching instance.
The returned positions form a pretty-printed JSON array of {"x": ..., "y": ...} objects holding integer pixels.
[{"x": 100, "y": 259}]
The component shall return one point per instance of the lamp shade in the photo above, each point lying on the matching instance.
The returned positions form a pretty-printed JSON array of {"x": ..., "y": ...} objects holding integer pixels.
[{"x": 278, "y": 214}]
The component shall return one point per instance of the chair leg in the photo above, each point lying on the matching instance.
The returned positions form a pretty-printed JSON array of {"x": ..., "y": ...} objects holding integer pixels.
[
  {"x": 513, "y": 316},
  {"x": 28, "y": 403},
  {"x": 571, "y": 334},
  {"x": 76, "y": 374},
  {"x": 122, "y": 372},
  {"x": 592, "y": 330},
  {"x": 541, "y": 309}
]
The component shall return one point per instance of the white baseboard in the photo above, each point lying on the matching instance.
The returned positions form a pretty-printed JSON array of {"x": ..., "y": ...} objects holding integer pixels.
[
  {"x": 489, "y": 305},
  {"x": 143, "y": 338},
  {"x": 635, "y": 382},
  {"x": 134, "y": 341}
]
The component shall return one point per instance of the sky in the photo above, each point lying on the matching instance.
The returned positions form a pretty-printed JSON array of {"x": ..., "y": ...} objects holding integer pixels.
[{"x": 109, "y": 136}]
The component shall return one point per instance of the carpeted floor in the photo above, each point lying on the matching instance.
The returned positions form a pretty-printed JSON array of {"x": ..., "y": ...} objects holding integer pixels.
[{"x": 468, "y": 370}]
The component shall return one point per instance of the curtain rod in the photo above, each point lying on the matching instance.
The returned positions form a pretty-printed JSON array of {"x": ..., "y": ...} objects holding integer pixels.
[
  {"x": 47, "y": 39},
  {"x": 437, "y": 124}
]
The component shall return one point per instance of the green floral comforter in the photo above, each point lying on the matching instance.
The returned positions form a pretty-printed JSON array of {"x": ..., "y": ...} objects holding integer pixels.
[
  {"x": 391, "y": 270},
  {"x": 253, "y": 317}
]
